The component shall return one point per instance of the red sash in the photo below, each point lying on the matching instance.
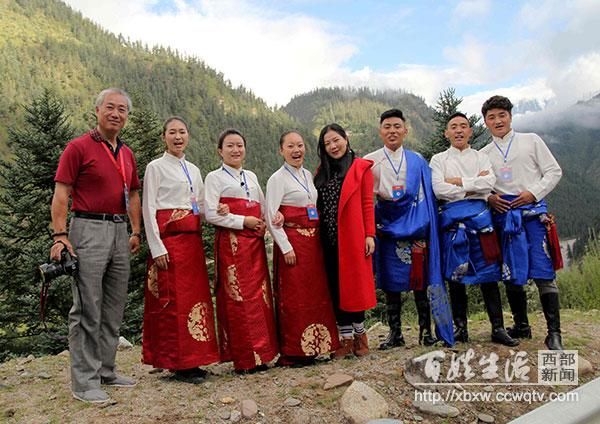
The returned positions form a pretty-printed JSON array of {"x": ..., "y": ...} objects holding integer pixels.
[
  {"x": 554, "y": 243},
  {"x": 244, "y": 301},
  {"x": 179, "y": 327},
  {"x": 418, "y": 266},
  {"x": 306, "y": 321},
  {"x": 490, "y": 247}
]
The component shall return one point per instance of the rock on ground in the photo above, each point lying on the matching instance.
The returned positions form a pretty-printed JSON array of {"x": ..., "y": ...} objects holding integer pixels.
[
  {"x": 360, "y": 403},
  {"x": 485, "y": 418},
  {"x": 124, "y": 344},
  {"x": 292, "y": 402},
  {"x": 249, "y": 408},
  {"x": 436, "y": 408},
  {"x": 337, "y": 380},
  {"x": 584, "y": 367}
]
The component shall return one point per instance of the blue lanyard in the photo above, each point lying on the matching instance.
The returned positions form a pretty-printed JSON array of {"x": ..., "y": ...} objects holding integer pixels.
[
  {"x": 305, "y": 185},
  {"x": 505, "y": 155},
  {"x": 244, "y": 184},
  {"x": 187, "y": 174},
  {"x": 397, "y": 172}
]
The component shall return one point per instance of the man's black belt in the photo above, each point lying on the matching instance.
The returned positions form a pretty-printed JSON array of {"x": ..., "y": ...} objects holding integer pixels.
[{"x": 102, "y": 216}]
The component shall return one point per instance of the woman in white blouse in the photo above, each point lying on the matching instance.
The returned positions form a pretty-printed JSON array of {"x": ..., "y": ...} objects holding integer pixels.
[
  {"x": 179, "y": 329},
  {"x": 306, "y": 322},
  {"x": 244, "y": 305}
]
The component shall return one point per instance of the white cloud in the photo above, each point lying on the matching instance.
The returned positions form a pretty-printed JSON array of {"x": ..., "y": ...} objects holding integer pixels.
[
  {"x": 554, "y": 58},
  {"x": 273, "y": 54}
]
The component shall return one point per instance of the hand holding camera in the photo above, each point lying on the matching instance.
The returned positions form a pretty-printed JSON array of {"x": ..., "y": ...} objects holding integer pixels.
[
  {"x": 58, "y": 246},
  {"x": 64, "y": 261}
]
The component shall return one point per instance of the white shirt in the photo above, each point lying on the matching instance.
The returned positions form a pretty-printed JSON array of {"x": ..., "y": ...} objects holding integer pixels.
[
  {"x": 384, "y": 176},
  {"x": 284, "y": 189},
  {"x": 167, "y": 187},
  {"x": 534, "y": 168},
  {"x": 466, "y": 165},
  {"x": 230, "y": 182}
]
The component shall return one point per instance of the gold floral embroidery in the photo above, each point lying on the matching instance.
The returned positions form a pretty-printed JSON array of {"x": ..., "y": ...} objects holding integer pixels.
[
  {"x": 153, "y": 280},
  {"x": 197, "y": 325},
  {"x": 307, "y": 232},
  {"x": 265, "y": 292},
  {"x": 178, "y": 214},
  {"x": 257, "y": 359},
  {"x": 232, "y": 287},
  {"x": 234, "y": 242},
  {"x": 315, "y": 340}
]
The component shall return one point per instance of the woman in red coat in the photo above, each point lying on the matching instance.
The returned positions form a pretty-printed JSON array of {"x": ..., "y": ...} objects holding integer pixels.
[{"x": 345, "y": 204}]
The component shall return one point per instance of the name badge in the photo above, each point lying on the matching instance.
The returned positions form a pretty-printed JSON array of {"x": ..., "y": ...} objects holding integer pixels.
[
  {"x": 506, "y": 174},
  {"x": 195, "y": 207},
  {"x": 126, "y": 196},
  {"x": 312, "y": 212},
  {"x": 397, "y": 192}
]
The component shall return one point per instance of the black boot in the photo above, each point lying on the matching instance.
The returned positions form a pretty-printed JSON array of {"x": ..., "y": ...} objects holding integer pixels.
[
  {"x": 394, "y": 337},
  {"x": 551, "y": 309},
  {"x": 517, "y": 299},
  {"x": 422, "y": 303},
  {"x": 493, "y": 305},
  {"x": 458, "y": 302}
]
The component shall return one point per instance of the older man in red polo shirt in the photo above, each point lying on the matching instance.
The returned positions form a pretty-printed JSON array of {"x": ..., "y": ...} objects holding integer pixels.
[{"x": 99, "y": 173}]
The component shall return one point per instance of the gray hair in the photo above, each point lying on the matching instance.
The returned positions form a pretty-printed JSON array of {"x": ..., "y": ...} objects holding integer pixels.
[{"x": 106, "y": 92}]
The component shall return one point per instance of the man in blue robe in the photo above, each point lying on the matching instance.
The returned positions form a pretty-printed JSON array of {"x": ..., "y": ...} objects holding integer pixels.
[
  {"x": 462, "y": 179},
  {"x": 407, "y": 253},
  {"x": 526, "y": 171}
]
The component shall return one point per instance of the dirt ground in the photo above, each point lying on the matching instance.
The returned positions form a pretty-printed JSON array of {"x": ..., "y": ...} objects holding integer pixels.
[{"x": 38, "y": 391}]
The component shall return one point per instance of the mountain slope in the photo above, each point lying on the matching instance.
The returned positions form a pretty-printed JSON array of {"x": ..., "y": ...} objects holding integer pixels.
[
  {"x": 45, "y": 44},
  {"x": 358, "y": 111}
]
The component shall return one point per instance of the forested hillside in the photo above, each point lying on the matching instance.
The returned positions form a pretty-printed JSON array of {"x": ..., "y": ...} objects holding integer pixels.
[
  {"x": 574, "y": 138},
  {"x": 358, "y": 110},
  {"x": 45, "y": 44}
]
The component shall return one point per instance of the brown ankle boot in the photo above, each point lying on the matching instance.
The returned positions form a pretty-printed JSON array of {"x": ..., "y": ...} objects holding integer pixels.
[
  {"x": 361, "y": 344},
  {"x": 345, "y": 349}
]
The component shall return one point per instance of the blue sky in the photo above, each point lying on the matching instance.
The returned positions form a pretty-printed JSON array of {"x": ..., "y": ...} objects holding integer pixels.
[{"x": 544, "y": 50}]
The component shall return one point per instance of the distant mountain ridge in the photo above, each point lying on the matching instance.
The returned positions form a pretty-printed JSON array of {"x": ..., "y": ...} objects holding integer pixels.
[{"x": 358, "y": 111}]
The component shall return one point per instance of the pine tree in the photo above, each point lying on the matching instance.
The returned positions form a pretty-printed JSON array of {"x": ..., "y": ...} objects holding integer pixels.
[
  {"x": 26, "y": 188},
  {"x": 142, "y": 135},
  {"x": 446, "y": 105}
]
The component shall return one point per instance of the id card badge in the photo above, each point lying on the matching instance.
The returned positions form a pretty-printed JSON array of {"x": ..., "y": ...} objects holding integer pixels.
[
  {"x": 506, "y": 174},
  {"x": 195, "y": 208},
  {"x": 126, "y": 196},
  {"x": 397, "y": 192},
  {"x": 313, "y": 214}
]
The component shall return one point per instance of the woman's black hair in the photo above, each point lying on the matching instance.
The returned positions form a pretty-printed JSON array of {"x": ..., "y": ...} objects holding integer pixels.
[
  {"x": 171, "y": 119},
  {"x": 329, "y": 165},
  {"x": 285, "y": 134},
  {"x": 225, "y": 133}
]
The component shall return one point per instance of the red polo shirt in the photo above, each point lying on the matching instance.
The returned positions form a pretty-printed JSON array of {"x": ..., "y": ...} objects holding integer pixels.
[{"x": 97, "y": 183}]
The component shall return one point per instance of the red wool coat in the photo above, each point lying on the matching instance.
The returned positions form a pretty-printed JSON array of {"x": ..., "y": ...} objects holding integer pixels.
[{"x": 356, "y": 221}]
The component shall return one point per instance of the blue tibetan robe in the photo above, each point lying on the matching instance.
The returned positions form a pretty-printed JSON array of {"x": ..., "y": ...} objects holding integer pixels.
[
  {"x": 399, "y": 223},
  {"x": 524, "y": 243},
  {"x": 462, "y": 223}
]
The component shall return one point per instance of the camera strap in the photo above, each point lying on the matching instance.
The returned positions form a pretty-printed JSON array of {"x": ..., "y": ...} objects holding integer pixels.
[{"x": 44, "y": 290}]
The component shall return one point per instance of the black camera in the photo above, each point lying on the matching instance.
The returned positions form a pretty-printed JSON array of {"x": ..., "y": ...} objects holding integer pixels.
[{"x": 68, "y": 265}]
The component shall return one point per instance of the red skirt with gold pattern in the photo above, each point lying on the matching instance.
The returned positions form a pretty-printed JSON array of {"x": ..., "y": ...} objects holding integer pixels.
[
  {"x": 179, "y": 327},
  {"x": 306, "y": 321},
  {"x": 245, "y": 317}
]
